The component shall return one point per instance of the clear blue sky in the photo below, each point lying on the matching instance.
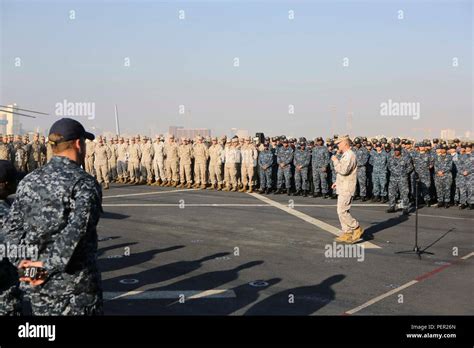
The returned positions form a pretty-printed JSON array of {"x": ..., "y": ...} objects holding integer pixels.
[{"x": 282, "y": 62}]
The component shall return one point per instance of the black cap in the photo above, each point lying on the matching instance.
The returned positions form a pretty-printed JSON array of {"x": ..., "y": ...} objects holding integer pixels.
[
  {"x": 397, "y": 148},
  {"x": 7, "y": 171},
  {"x": 70, "y": 129}
]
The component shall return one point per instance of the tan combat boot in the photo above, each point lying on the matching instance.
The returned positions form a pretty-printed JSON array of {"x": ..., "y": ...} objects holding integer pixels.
[
  {"x": 250, "y": 189},
  {"x": 357, "y": 234},
  {"x": 243, "y": 189},
  {"x": 345, "y": 237},
  {"x": 203, "y": 186},
  {"x": 219, "y": 187},
  {"x": 227, "y": 188},
  {"x": 106, "y": 186}
]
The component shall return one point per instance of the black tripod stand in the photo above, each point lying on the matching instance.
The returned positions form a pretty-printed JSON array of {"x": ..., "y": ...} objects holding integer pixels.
[{"x": 416, "y": 249}]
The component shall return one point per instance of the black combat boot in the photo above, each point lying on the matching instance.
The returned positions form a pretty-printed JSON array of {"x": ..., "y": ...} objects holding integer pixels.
[
  {"x": 462, "y": 206},
  {"x": 405, "y": 211},
  {"x": 268, "y": 190},
  {"x": 384, "y": 199},
  {"x": 440, "y": 204},
  {"x": 325, "y": 196},
  {"x": 297, "y": 193},
  {"x": 375, "y": 199},
  {"x": 391, "y": 210},
  {"x": 262, "y": 190},
  {"x": 333, "y": 196},
  {"x": 288, "y": 192},
  {"x": 471, "y": 206},
  {"x": 278, "y": 191},
  {"x": 446, "y": 205},
  {"x": 305, "y": 193},
  {"x": 364, "y": 199}
]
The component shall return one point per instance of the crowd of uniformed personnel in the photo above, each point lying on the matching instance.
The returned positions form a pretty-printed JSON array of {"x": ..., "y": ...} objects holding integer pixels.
[
  {"x": 24, "y": 154},
  {"x": 387, "y": 170}
]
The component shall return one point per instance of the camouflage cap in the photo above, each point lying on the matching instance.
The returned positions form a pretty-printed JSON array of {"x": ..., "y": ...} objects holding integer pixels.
[{"x": 342, "y": 138}]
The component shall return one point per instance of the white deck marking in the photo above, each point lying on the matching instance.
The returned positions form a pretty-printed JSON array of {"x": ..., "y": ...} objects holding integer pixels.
[
  {"x": 321, "y": 224},
  {"x": 381, "y": 297},
  {"x": 147, "y": 193},
  {"x": 445, "y": 217},
  {"x": 406, "y": 285},
  {"x": 168, "y": 294},
  {"x": 465, "y": 257}
]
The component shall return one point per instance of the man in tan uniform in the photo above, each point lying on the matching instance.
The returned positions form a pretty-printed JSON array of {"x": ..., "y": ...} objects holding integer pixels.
[
  {"x": 122, "y": 154},
  {"x": 232, "y": 160},
  {"x": 113, "y": 159},
  {"x": 89, "y": 160},
  {"x": 147, "y": 161},
  {"x": 159, "y": 161},
  {"x": 201, "y": 154},
  {"x": 185, "y": 153},
  {"x": 346, "y": 181},
  {"x": 43, "y": 156},
  {"x": 134, "y": 157},
  {"x": 249, "y": 161},
  {"x": 101, "y": 156},
  {"x": 37, "y": 149},
  {"x": 172, "y": 162},
  {"x": 5, "y": 153},
  {"x": 216, "y": 157}
]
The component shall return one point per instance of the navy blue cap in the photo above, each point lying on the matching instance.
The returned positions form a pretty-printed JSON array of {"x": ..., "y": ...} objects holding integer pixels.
[
  {"x": 7, "y": 171},
  {"x": 70, "y": 129}
]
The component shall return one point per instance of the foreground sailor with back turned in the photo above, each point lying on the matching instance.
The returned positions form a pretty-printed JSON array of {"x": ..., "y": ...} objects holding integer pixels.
[{"x": 57, "y": 209}]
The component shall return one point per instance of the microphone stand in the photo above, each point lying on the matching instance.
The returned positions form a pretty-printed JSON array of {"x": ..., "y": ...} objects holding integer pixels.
[{"x": 416, "y": 249}]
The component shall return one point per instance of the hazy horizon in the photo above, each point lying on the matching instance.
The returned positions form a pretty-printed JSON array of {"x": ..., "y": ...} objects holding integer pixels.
[{"x": 48, "y": 57}]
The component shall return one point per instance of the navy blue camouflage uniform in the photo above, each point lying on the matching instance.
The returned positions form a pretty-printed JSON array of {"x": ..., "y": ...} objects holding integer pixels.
[
  {"x": 422, "y": 162},
  {"x": 302, "y": 158},
  {"x": 462, "y": 164},
  {"x": 10, "y": 294},
  {"x": 285, "y": 157},
  {"x": 320, "y": 160},
  {"x": 400, "y": 168},
  {"x": 362, "y": 156},
  {"x": 57, "y": 209},
  {"x": 444, "y": 164},
  {"x": 378, "y": 161},
  {"x": 266, "y": 159}
]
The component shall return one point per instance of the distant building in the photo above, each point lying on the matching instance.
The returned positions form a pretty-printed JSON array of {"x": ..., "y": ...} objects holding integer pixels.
[
  {"x": 173, "y": 130},
  {"x": 448, "y": 134},
  {"x": 10, "y": 123},
  {"x": 242, "y": 133},
  {"x": 192, "y": 132},
  {"x": 3, "y": 122}
]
